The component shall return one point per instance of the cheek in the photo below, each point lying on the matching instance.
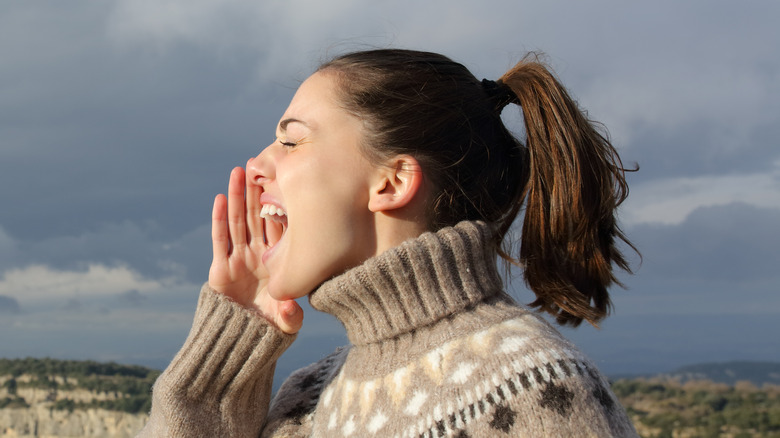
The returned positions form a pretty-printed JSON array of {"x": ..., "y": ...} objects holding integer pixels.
[
  {"x": 316, "y": 250},
  {"x": 330, "y": 226}
]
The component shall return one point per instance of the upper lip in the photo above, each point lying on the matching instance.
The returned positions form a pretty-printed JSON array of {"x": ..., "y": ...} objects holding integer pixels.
[
  {"x": 272, "y": 211},
  {"x": 267, "y": 199}
]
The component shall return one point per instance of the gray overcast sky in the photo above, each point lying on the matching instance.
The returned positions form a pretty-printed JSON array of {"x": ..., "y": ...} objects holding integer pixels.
[{"x": 120, "y": 120}]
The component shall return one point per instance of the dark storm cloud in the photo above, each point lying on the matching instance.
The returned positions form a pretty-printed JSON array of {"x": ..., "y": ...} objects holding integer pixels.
[
  {"x": 120, "y": 121},
  {"x": 148, "y": 250},
  {"x": 735, "y": 243},
  {"x": 703, "y": 147},
  {"x": 719, "y": 261},
  {"x": 92, "y": 134},
  {"x": 705, "y": 291},
  {"x": 9, "y": 305},
  {"x": 132, "y": 297}
]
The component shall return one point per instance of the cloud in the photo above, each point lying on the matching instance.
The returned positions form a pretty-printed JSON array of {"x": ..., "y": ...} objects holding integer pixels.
[
  {"x": 719, "y": 260},
  {"x": 119, "y": 121},
  {"x": 73, "y": 305},
  {"x": 132, "y": 297},
  {"x": 731, "y": 243},
  {"x": 9, "y": 305},
  {"x": 671, "y": 200},
  {"x": 148, "y": 336},
  {"x": 7, "y": 248},
  {"x": 146, "y": 250},
  {"x": 279, "y": 42},
  {"x": 37, "y": 283}
]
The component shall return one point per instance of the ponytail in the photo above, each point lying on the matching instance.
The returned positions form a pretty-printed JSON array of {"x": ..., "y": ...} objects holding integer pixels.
[
  {"x": 575, "y": 181},
  {"x": 567, "y": 174}
]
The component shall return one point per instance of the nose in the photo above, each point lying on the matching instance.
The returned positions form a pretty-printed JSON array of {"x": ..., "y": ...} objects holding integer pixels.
[{"x": 260, "y": 169}]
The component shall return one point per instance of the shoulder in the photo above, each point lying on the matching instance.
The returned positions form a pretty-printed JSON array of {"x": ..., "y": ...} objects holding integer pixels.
[
  {"x": 298, "y": 396},
  {"x": 522, "y": 376},
  {"x": 314, "y": 376}
]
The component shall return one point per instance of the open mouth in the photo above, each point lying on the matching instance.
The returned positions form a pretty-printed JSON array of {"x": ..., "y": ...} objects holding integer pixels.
[{"x": 274, "y": 224}]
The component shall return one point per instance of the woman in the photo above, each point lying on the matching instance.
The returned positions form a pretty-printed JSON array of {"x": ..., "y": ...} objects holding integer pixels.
[{"x": 386, "y": 198}]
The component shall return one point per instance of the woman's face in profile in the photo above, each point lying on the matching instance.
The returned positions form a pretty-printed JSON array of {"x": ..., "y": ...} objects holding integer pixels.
[{"x": 315, "y": 181}]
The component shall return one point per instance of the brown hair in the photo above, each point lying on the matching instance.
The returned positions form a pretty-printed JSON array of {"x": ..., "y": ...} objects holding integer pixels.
[{"x": 566, "y": 173}]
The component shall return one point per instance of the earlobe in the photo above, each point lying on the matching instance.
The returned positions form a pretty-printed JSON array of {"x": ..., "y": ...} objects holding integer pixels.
[{"x": 399, "y": 183}]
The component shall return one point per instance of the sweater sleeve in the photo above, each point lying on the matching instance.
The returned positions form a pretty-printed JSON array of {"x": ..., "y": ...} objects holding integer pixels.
[{"x": 219, "y": 383}]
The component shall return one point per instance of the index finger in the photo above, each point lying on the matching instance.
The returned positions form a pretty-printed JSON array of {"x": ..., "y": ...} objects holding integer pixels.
[
  {"x": 253, "y": 208},
  {"x": 236, "y": 208},
  {"x": 219, "y": 230}
]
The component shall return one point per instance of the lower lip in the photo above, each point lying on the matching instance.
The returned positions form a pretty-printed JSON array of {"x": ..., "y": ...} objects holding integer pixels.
[
  {"x": 270, "y": 251},
  {"x": 267, "y": 254}
]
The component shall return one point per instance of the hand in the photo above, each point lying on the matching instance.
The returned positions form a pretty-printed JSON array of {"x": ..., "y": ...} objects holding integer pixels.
[{"x": 237, "y": 270}]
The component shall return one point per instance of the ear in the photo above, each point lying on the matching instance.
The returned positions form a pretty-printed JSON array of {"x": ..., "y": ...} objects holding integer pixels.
[{"x": 399, "y": 182}]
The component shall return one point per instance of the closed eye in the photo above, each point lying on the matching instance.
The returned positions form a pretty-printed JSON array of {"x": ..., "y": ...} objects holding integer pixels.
[{"x": 286, "y": 143}]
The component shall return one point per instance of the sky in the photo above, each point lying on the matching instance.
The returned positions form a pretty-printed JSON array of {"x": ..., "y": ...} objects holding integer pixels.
[{"x": 120, "y": 120}]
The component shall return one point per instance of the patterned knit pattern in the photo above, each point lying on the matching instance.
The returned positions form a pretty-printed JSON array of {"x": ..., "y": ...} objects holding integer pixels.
[
  {"x": 437, "y": 350},
  {"x": 491, "y": 383}
]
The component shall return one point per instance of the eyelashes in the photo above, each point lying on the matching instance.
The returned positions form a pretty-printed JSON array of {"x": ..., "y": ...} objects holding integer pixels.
[{"x": 286, "y": 143}]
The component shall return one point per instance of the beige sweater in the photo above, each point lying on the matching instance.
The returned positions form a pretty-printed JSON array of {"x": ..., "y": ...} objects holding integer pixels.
[{"x": 437, "y": 349}]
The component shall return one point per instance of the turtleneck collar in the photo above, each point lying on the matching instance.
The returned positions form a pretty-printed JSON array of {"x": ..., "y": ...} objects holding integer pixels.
[{"x": 413, "y": 285}]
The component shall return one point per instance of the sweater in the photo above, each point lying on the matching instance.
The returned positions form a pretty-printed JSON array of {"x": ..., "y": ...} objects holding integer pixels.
[{"x": 437, "y": 349}]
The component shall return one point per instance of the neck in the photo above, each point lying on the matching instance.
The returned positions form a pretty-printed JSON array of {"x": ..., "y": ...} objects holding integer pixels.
[
  {"x": 415, "y": 284},
  {"x": 394, "y": 228}
]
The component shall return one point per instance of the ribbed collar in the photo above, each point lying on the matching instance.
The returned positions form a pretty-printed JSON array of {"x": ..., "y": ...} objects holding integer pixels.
[{"x": 413, "y": 285}]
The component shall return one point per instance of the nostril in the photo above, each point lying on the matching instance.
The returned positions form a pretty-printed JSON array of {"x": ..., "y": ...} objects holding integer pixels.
[
  {"x": 256, "y": 174},
  {"x": 258, "y": 179},
  {"x": 260, "y": 168}
]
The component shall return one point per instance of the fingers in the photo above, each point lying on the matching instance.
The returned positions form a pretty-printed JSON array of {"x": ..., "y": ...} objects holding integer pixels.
[
  {"x": 253, "y": 208},
  {"x": 290, "y": 318},
  {"x": 236, "y": 208},
  {"x": 219, "y": 228}
]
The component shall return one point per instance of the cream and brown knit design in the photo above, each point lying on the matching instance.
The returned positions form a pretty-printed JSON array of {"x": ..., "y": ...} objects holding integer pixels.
[{"x": 437, "y": 349}]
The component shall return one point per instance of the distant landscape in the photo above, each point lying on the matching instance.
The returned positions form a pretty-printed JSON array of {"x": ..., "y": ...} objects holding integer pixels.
[
  {"x": 734, "y": 399},
  {"x": 50, "y": 397}
]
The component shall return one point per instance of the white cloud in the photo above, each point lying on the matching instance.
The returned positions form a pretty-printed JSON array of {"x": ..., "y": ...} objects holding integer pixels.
[
  {"x": 284, "y": 37},
  {"x": 169, "y": 21},
  {"x": 626, "y": 72},
  {"x": 735, "y": 95},
  {"x": 670, "y": 201},
  {"x": 38, "y": 283},
  {"x": 135, "y": 81}
]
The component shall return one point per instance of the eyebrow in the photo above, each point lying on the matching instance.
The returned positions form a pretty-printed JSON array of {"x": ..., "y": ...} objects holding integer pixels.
[{"x": 283, "y": 124}]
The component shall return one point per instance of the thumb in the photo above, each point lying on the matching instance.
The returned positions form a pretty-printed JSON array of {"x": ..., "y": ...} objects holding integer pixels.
[{"x": 290, "y": 317}]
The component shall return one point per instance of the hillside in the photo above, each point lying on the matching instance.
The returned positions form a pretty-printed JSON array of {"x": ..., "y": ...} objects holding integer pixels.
[
  {"x": 665, "y": 408},
  {"x": 758, "y": 373},
  {"x": 49, "y": 397},
  {"x": 730, "y": 399}
]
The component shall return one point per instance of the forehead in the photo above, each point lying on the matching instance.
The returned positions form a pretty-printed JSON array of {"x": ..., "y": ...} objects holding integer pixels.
[{"x": 314, "y": 103}]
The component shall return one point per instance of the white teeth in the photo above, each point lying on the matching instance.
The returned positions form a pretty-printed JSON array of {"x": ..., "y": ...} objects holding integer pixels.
[{"x": 269, "y": 210}]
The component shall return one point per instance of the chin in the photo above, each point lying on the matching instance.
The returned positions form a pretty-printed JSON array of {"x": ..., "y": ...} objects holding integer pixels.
[{"x": 282, "y": 293}]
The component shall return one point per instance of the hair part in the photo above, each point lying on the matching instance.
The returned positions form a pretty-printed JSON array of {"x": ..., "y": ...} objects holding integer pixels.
[{"x": 566, "y": 173}]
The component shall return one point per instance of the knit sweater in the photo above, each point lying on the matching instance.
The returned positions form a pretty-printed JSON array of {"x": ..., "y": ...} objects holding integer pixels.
[{"x": 437, "y": 349}]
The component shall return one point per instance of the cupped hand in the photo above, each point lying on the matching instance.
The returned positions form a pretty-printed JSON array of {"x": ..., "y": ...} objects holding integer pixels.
[{"x": 237, "y": 270}]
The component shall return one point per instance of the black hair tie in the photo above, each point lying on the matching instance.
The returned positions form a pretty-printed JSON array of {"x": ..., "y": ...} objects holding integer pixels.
[{"x": 499, "y": 93}]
